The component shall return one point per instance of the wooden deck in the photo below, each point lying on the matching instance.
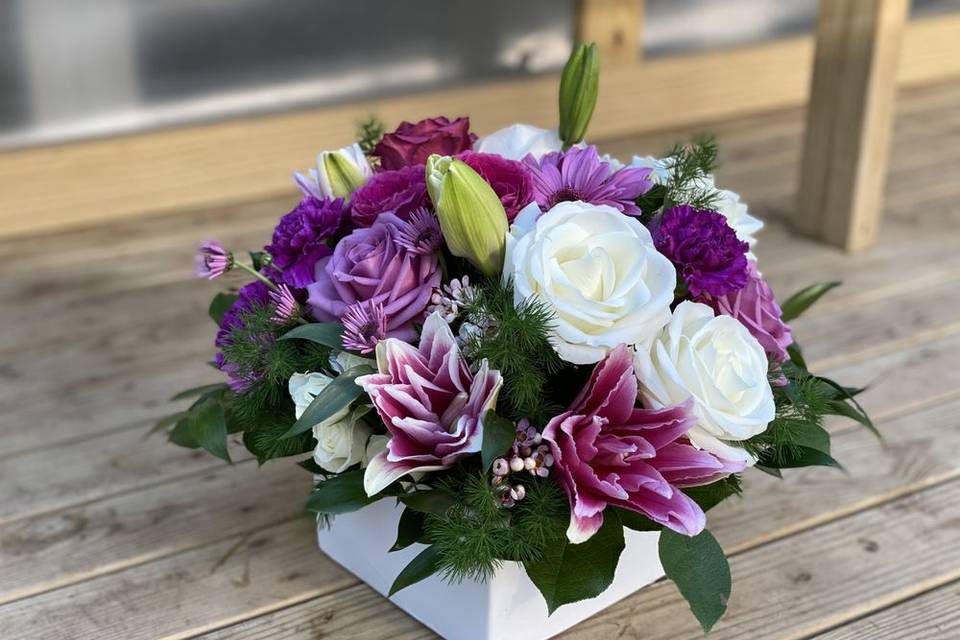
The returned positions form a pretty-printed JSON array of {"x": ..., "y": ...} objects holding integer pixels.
[{"x": 107, "y": 535}]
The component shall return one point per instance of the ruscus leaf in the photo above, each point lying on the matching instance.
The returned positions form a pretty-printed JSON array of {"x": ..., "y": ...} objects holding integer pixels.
[
  {"x": 340, "y": 494},
  {"x": 698, "y": 567},
  {"x": 420, "y": 568},
  {"x": 409, "y": 529},
  {"x": 329, "y": 334},
  {"x": 498, "y": 435},
  {"x": 803, "y": 300},
  {"x": 334, "y": 398},
  {"x": 219, "y": 305}
]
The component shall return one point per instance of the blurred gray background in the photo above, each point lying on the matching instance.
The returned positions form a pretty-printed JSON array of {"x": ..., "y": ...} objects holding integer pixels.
[{"x": 73, "y": 69}]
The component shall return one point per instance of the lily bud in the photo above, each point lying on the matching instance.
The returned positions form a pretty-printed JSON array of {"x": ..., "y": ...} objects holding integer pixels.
[
  {"x": 472, "y": 218},
  {"x": 338, "y": 174},
  {"x": 578, "y": 92}
]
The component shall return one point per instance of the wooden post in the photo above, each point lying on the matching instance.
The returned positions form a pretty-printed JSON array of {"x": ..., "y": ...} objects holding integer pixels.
[
  {"x": 614, "y": 25},
  {"x": 849, "y": 118}
]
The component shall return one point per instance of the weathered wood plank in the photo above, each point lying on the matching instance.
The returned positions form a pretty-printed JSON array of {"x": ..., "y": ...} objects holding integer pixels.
[{"x": 931, "y": 616}]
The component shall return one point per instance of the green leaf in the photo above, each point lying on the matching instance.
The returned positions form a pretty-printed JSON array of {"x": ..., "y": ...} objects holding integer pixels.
[
  {"x": 420, "y": 568},
  {"x": 498, "y": 436},
  {"x": 199, "y": 391},
  {"x": 340, "y": 494},
  {"x": 409, "y": 529},
  {"x": 637, "y": 521},
  {"x": 334, "y": 398},
  {"x": 209, "y": 426},
  {"x": 256, "y": 259},
  {"x": 794, "y": 457},
  {"x": 329, "y": 334},
  {"x": 182, "y": 434},
  {"x": 844, "y": 404},
  {"x": 803, "y": 299},
  {"x": 710, "y": 495},
  {"x": 165, "y": 423},
  {"x": 571, "y": 572},
  {"x": 311, "y": 465},
  {"x": 219, "y": 305},
  {"x": 796, "y": 356},
  {"x": 432, "y": 501},
  {"x": 701, "y": 572},
  {"x": 809, "y": 435},
  {"x": 770, "y": 471}
]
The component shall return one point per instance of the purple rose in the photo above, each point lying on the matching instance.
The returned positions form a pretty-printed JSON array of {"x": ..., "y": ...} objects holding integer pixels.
[
  {"x": 706, "y": 251},
  {"x": 372, "y": 265},
  {"x": 511, "y": 180},
  {"x": 300, "y": 238},
  {"x": 756, "y": 309},
  {"x": 401, "y": 192},
  {"x": 430, "y": 401},
  {"x": 412, "y": 144}
]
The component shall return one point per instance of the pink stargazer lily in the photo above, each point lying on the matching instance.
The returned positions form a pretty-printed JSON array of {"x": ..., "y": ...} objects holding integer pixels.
[
  {"x": 431, "y": 403},
  {"x": 608, "y": 452}
]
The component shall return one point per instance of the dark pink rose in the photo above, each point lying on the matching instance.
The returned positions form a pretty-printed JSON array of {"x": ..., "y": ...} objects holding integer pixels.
[
  {"x": 512, "y": 181},
  {"x": 756, "y": 308},
  {"x": 607, "y": 452},
  {"x": 412, "y": 144},
  {"x": 400, "y": 192}
]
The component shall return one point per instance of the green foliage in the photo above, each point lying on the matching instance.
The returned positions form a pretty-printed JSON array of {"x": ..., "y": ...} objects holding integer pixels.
[
  {"x": 203, "y": 424},
  {"x": 420, "y": 568},
  {"x": 369, "y": 132},
  {"x": 219, "y": 305},
  {"x": 710, "y": 495},
  {"x": 689, "y": 165},
  {"x": 475, "y": 533},
  {"x": 341, "y": 493},
  {"x": 804, "y": 299},
  {"x": 572, "y": 572},
  {"x": 335, "y": 397},
  {"x": 329, "y": 334},
  {"x": 498, "y": 435},
  {"x": 700, "y": 570},
  {"x": 516, "y": 343},
  {"x": 409, "y": 529}
]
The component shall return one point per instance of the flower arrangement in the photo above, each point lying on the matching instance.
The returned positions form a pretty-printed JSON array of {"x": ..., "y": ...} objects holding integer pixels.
[{"x": 527, "y": 345}]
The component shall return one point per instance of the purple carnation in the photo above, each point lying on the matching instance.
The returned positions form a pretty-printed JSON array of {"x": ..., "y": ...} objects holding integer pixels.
[
  {"x": 511, "y": 180},
  {"x": 756, "y": 309},
  {"x": 372, "y": 265},
  {"x": 580, "y": 174},
  {"x": 400, "y": 192},
  {"x": 704, "y": 249},
  {"x": 300, "y": 238},
  {"x": 250, "y": 297}
]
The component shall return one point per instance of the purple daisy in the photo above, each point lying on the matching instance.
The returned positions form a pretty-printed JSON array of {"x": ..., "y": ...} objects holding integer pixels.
[
  {"x": 286, "y": 307},
  {"x": 706, "y": 251},
  {"x": 422, "y": 236},
  {"x": 580, "y": 174},
  {"x": 364, "y": 325}
]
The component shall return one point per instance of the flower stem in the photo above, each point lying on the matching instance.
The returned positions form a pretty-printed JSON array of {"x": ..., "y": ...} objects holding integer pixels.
[{"x": 256, "y": 274}]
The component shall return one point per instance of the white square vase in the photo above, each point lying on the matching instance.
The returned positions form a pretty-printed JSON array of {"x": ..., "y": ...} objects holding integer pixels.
[{"x": 493, "y": 610}]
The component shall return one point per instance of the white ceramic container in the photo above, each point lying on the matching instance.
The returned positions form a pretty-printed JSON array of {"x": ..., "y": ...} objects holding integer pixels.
[{"x": 494, "y": 610}]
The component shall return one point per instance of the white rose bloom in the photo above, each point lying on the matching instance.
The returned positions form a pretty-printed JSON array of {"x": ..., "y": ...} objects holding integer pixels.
[
  {"x": 317, "y": 182},
  {"x": 516, "y": 141},
  {"x": 597, "y": 269},
  {"x": 717, "y": 362},
  {"x": 344, "y": 361},
  {"x": 342, "y": 438}
]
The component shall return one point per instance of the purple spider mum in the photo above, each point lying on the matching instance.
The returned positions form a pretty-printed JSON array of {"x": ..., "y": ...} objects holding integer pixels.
[
  {"x": 286, "y": 307},
  {"x": 256, "y": 294},
  {"x": 364, "y": 325},
  {"x": 423, "y": 235},
  {"x": 212, "y": 260},
  {"x": 704, "y": 249},
  {"x": 300, "y": 239},
  {"x": 580, "y": 174}
]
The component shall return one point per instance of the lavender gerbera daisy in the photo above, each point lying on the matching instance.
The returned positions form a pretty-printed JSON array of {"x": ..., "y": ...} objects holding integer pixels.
[
  {"x": 580, "y": 174},
  {"x": 705, "y": 250}
]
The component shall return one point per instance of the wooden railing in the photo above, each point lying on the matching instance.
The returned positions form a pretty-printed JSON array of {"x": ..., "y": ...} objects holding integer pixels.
[{"x": 244, "y": 159}]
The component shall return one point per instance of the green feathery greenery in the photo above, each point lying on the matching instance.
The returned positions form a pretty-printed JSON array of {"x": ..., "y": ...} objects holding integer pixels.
[
  {"x": 515, "y": 341},
  {"x": 477, "y": 533},
  {"x": 369, "y": 132},
  {"x": 689, "y": 164}
]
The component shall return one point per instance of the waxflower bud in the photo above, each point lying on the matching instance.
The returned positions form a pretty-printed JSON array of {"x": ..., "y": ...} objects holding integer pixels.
[
  {"x": 578, "y": 92},
  {"x": 338, "y": 174},
  {"x": 472, "y": 218}
]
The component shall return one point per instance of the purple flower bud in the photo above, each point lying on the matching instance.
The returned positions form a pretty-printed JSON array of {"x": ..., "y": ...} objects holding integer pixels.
[{"x": 212, "y": 260}]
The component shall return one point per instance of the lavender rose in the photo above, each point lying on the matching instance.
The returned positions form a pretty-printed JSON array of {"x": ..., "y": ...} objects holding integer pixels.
[
  {"x": 511, "y": 180},
  {"x": 412, "y": 144},
  {"x": 756, "y": 308},
  {"x": 706, "y": 251},
  {"x": 373, "y": 266},
  {"x": 300, "y": 238},
  {"x": 430, "y": 401},
  {"x": 402, "y": 192}
]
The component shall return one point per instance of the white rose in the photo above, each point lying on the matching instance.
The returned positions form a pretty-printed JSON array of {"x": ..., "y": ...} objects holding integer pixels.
[
  {"x": 341, "y": 439},
  {"x": 516, "y": 141},
  {"x": 721, "y": 366},
  {"x": 344, "y": 361},
  {"x": 597, "y": 269},
  {"x": 320, "y": 184}
]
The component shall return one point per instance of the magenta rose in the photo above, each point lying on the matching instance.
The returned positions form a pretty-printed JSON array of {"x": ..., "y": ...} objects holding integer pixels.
[
  {"x": 512, "y": 181},
  {"x": 401, "y": 192},
  {"x": 412, "y": 144},
  {"x": 608, "y": 452},
  {"x": 431, "y": 403},
  {"x": 372, "y": 265},
  {"x": 756, "y": 308}
]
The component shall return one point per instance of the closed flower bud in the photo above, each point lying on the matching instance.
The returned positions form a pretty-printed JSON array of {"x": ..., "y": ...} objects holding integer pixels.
[
  {"x": 338, "y": 174},
  {"x": 578, "y": 92},
  {"x": 472, "y": 218},
  {"x": 516, "y": 464}
]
